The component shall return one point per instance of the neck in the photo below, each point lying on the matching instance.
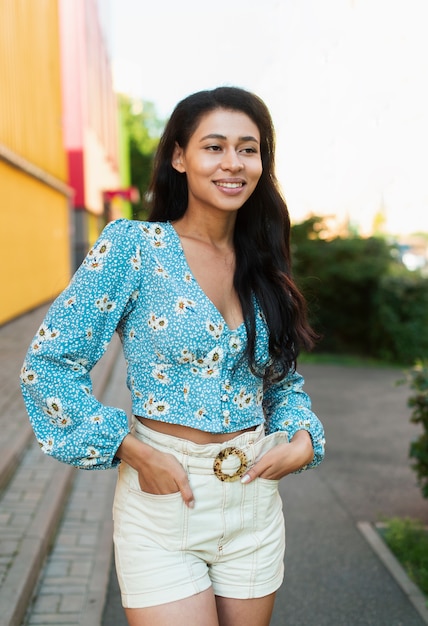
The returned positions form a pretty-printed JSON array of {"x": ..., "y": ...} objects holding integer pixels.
[{"x": 217, "y": 231}]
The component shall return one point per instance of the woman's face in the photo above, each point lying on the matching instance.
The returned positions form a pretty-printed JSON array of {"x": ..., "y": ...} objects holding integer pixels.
[{"x": 222, "y": 161}]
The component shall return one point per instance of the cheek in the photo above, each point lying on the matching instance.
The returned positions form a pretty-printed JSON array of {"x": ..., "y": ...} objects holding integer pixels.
[{"x": 256, "y": 172}]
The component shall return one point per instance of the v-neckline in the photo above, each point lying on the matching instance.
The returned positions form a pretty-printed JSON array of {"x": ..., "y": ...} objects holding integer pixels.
[{"x": 176, "y": 236}]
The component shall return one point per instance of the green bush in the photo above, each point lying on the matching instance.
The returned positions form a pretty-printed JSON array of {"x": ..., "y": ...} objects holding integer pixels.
[
  {"x": 417, "y": 379},
  {"x": 361, "y": 298},
  {"x": 399, "y": 330}
]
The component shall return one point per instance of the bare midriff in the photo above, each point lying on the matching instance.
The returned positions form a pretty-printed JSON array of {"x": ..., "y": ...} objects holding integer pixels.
[{"x": 191, "y": 434}]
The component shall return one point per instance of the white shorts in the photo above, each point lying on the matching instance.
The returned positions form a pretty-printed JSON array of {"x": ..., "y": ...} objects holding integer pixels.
[{"x": 233, "y": 538}]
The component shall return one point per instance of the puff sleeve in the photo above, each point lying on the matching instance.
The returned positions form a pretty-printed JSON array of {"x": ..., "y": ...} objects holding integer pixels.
[
  {"x": 70, "y": 424},
  {"x": 288, "y": 408}
]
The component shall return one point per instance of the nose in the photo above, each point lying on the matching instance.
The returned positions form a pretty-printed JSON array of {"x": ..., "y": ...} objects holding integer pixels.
[{"x": 231, "y": 161}]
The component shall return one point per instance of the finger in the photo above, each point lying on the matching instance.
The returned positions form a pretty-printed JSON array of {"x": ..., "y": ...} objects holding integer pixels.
[
  {"x": 186, "y": 492},
  {"x": 251, "y": 474}
]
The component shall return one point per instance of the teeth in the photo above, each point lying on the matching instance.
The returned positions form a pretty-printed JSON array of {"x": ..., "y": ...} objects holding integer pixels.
[{"x": 230, "y": 185}]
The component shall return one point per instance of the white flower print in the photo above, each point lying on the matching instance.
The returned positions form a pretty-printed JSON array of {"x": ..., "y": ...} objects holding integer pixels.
[
  {"x": 235, "y": 343},
  {"x": 186, "y": 356},
  {"x": 132, "y": 334},
  {"x": 47, "y": 445},
  {"x": 182, "y": 305},
  {"x": 215, "y": 330},
  {"x": 28, "y": 376},
  {"x": 259, "y": 396},
  {"x": 62, "y": 421},
  {"x": 209, "y": 366},
  {"x": 227, "y": 386},
  {"x": 243, "y": 399},
  {"x": 95, "y": 257},
  {"x": 79, "y": 364},
  {"x": 89, "y": 334},
  {"x": 85, "y": 389},
  {"x": 157, "y": 322},
  {"x": 45, "y": 333},
  {"x": 54, "y": 410},
  {"x": 103, "y": 248},
  {"x": 94, "y": 263},
  {"x": 159, "y": 372},
  {"x": 96, "y": 419},
  {"x": 155, "y": 407},
  {"x": 186, "y": 389},
  {"x": 155, "y": 234},
  {"x": 91, "y": 458},
  {"x": 200, "y": 413},
  {"x": 160, "y": 270},
  {"x": 71, "y": 301},
  {"x": 104, "y": 304},
  {"x": 136, "y": 259},
  {"x": 187, "y": 277},
  {"x": 35, "y": 346}
]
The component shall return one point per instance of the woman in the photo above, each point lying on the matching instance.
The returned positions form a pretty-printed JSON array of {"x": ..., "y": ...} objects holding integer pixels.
[{"x": 211, "y": 325}]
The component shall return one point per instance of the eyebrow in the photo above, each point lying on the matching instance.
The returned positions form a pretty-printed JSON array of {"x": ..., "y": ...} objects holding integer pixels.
[{"x": 224, "y": 138}]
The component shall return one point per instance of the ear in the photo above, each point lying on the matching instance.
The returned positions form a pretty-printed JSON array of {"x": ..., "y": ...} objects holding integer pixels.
[{"x": 177, "y": 159}]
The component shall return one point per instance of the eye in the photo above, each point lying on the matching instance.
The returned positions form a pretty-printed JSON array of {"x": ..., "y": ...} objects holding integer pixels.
[
  {"x": 213, "y": 148},
  {"x": 249, "y": 150}
]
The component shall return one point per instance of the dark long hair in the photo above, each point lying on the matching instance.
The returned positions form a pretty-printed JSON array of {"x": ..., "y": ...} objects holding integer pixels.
[{"x": 262, "y": 229}]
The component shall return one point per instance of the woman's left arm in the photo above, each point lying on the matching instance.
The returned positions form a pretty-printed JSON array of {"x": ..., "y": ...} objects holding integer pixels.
[{"x": 288, "y": 408}]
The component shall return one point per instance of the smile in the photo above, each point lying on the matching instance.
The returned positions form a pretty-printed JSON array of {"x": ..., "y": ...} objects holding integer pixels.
[{"x": 230, "y": 185}]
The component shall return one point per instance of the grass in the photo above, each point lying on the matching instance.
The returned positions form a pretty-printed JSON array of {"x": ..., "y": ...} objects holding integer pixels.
[
  {"x": 408, "y": 541},
  {"x": 350, "y": 360}
]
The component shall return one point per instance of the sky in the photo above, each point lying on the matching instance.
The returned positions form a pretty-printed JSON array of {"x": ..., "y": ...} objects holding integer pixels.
[{"x": 345, "y": 81}]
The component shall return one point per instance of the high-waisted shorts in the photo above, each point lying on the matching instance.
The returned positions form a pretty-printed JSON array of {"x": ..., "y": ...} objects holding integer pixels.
[{"x": 233, "y": 538}]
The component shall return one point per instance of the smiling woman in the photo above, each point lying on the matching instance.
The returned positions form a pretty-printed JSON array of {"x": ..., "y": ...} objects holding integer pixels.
[
  {"x": 222, "y": 168},
  {"x": 211, "y": 325}
]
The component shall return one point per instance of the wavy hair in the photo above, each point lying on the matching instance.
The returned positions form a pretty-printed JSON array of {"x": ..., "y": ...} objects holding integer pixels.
[{"x": 262, "y": 229}]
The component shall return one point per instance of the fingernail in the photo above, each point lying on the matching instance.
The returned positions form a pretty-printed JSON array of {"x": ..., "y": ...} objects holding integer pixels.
[
  {"x": 191, "y": 504},
  {"x": 245, "y": 479}
]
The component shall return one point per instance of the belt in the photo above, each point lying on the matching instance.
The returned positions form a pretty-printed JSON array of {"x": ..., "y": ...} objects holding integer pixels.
[{"x": 224, "y": 454}]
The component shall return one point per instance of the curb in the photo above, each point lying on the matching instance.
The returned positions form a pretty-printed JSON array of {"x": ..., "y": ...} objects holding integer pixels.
[
  {"x": 22, "y": 577},
  {"x": 414, "y": 594}
]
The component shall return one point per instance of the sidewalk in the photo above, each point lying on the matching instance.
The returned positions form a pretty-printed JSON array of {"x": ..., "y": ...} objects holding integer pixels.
[
  {"x": 336, "y": 571},
  {"x": 55, "y": 522}
]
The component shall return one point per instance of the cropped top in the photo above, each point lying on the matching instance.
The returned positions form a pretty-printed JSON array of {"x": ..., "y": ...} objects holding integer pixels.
[{"x": 184, "y": 364}]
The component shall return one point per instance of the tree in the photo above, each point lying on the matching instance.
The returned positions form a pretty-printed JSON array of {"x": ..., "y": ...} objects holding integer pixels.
[{"x": 144, "y": 129}]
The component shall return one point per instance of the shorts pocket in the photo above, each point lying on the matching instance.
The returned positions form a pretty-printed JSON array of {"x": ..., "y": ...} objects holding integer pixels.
[
  {"x": 151, "y": 519},
  {"x": 269, "y": 503}
]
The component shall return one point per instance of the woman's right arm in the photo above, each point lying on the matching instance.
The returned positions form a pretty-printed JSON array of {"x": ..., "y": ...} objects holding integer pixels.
[{"x": 69, "y": 422}]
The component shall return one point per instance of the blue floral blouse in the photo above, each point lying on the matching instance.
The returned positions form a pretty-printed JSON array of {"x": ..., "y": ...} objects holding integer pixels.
[{"x": 184, "y": 364}]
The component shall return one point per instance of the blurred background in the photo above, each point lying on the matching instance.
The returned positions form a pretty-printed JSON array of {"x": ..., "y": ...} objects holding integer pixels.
[{"x": 86, "y": 87}]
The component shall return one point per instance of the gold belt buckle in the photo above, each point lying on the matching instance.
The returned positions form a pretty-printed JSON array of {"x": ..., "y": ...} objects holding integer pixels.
[{"x": 224, "y": 454}]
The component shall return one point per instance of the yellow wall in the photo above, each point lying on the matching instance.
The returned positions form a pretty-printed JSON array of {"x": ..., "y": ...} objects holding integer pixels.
[
  {"x": 30, "y": 75},
  {"x": 34, "y": 243},
  {"x": 34, "y": 228}
]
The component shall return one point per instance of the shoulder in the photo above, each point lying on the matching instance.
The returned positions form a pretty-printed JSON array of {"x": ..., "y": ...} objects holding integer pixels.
[{"x": 120, "y": 228}]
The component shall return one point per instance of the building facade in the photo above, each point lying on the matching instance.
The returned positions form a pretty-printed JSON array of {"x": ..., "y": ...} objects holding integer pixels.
[
  {"x": 34, "y": 193},
  {"x": 90, "y": 116},
  {"x": 60, "y": 146}
]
